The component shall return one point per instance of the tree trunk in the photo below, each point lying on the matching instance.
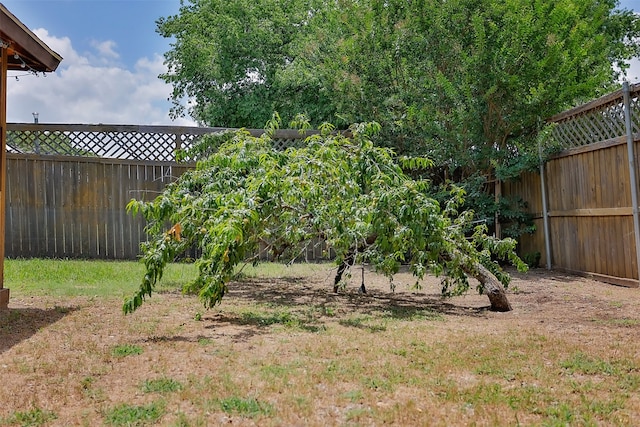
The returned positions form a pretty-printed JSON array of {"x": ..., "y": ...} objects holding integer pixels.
[
  {"x": 492, "y": 287},
  {"x": 348, "y": 262}
]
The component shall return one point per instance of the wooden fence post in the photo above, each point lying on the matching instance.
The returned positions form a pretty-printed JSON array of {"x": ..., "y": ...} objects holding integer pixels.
[
  {"x": 498, "y": 195},
  {"x": 632, "y": 171},
  {"x": 545, "y": 210},
  {"x": 4, "y": 292},
  {"x": 178, "y": 141}
]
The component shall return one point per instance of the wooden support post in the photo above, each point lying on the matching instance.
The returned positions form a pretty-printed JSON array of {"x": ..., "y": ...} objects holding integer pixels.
[
  {"x": 545, "y": 209},
  {"x": 498, "y": 196},
  {"x": 4, "y": 292},
  {"x": 633, "y": 177},
  {"x": 178, "y": 142}
]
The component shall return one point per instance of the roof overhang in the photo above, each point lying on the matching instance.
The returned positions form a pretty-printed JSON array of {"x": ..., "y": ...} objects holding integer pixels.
[{"x": 26, "y": 51}]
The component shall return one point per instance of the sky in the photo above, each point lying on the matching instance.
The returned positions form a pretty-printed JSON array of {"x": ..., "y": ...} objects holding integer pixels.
[{"x": 112, "y": 57}]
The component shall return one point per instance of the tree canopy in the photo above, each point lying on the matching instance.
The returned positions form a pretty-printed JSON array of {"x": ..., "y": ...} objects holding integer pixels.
[
  {"x": 467, "y": 83},
  {"x": 244, "y": 194}
]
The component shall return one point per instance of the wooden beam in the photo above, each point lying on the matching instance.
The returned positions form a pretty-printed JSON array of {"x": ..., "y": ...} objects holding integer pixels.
[
  {"x": 627, "y": 211},
  {"x": 618, "y": 281},
  {"x": 33, "y": 50},
  {"x": 4, "y": 292},
  {"x": 620, "y": 140},
  {"x": 279, "y": 133}
]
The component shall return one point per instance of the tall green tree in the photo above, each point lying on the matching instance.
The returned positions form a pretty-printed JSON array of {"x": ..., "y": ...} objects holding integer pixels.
[
  {"x": 466, "y": 82},
  {"x": 228, "y": 56},
  {"x": 470, "y": 82},
  {"x": 346, "y": 191}
]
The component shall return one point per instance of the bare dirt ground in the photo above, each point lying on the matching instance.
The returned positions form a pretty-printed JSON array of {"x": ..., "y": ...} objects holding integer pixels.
[{"x": 57, "y": 355}]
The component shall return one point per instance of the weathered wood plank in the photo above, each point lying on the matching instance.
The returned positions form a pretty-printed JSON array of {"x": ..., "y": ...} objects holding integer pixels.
[
  {"x": 619, "y": 281},
  {"x": 590, "y": 212}
]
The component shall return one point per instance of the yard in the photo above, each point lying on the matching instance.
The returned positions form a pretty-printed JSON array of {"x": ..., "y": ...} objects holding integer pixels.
[{"x": 282, "y": 349}]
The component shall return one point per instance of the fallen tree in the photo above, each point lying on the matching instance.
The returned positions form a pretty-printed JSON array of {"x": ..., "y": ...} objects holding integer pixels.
[{"x": 244, "y": 194}]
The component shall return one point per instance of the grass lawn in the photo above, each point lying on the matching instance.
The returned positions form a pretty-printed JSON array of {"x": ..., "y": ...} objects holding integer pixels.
[
  {"x": 59, "y": 277},
  {"x": 282, "y": 349}
]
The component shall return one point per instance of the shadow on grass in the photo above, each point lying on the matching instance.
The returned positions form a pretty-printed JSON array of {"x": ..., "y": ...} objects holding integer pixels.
[
  {"x": 298, "y": 293},
  {"x": 298, "y": 304},
  {"x": 19, "y": 324},
  {"x": 542, "y": 273}
]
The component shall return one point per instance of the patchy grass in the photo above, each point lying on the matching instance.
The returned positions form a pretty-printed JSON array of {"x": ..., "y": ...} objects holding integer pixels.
[
  {"x": 125, "y": 350},
  {"x": 580, "y": 362},
  {"x": 264, "y": 316},
  {"x": 246, "y": 407},
  {"x": 161, "y": 385},
  {"x": 282, "y": 349},
  {"x": 133, "y": 415},
  {"x": 33, "y": 417}
]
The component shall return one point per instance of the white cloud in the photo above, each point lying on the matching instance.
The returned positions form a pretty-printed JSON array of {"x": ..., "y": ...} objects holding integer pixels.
[
  {"x": 92, "y": 88},
  {"x": 106, "y": 49},
  {"x": 633, "y": 72}
]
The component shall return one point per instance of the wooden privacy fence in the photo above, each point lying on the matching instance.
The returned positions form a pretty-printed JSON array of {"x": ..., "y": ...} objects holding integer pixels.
[
  {"x": 66, "y": 207},
  {"x": 68, "y": 186},
  {"x": 591, "y": 191},
  {"x": 71, "y": 201}
]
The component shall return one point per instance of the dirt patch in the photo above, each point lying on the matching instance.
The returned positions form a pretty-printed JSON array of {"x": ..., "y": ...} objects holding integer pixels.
[{"x": 316, "y": 358}]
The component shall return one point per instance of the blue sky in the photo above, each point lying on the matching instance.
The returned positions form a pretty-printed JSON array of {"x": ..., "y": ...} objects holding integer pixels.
[{"x": 112, "y": 57}]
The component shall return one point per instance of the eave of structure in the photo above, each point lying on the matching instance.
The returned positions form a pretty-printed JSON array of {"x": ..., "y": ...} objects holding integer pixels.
[
  {"x": 20, "y": 49},
  {"x": 26, "y": 51}
]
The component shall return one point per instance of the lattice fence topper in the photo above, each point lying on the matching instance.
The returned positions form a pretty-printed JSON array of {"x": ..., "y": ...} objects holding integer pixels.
[
  {"x": 131, "y": 142},
  {"x": 596, "y": 121}
]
